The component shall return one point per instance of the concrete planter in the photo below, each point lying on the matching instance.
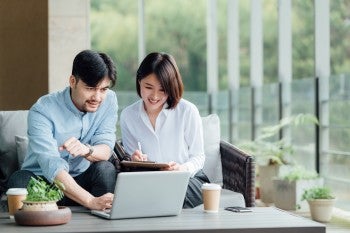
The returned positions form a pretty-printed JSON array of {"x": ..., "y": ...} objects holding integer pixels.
[
  {"x": 266, "y": 175},
  {"x": 321, "y": 209},
  {"x": 287, "y": 194}
]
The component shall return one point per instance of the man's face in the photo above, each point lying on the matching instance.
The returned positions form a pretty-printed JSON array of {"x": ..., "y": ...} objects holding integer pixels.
[{"x": 86, "y": 98}]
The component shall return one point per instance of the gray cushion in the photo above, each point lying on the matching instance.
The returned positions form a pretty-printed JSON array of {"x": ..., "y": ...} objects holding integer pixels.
[
  {"x": 211, "y": 134},
  {"x": 228, "y": 198},
  {"x": 21, "y": 147},
  {"x": 11, "y": 123}
]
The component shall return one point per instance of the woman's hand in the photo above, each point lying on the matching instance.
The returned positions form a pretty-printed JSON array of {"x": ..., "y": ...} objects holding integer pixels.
[
  {"x": 138, "y": 156},
  {"x": 174, "y": 166}
]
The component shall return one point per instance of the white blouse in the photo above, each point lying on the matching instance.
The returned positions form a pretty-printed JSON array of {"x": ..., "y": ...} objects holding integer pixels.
[{"x": 178, "y": 134}]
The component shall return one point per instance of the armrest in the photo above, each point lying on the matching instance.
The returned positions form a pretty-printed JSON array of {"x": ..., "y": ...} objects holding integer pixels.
[{"x": 238, "y": 171}]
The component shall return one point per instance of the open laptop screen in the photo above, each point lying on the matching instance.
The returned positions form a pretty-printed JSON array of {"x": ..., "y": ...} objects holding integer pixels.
[{"x": 148, "y": 194}]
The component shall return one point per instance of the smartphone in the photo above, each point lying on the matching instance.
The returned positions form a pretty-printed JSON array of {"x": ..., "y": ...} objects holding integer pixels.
[{"x": 238, "y": 209}]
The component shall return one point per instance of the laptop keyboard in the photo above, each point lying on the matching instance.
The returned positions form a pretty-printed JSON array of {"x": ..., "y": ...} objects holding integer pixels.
[{"x": 107, "y": 211}]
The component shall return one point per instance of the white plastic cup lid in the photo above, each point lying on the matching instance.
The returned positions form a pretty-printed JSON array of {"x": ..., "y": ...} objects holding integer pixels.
[
  {"x": 17, "y": 191},
  {"x": 211, "y": 186}
]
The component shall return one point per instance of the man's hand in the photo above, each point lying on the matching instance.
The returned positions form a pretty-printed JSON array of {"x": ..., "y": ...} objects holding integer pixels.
[
  {"x": 74, "y": 147},
  {"x": 81, "y": 196},
  {"x": 101, "y": 203}
]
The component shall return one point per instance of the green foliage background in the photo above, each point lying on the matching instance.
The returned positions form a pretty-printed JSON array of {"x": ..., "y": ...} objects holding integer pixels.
[{"x": 179, "y": 27}]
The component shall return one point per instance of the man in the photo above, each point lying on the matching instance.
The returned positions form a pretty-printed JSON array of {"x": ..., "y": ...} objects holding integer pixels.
[{"x": 72, "y": 133}]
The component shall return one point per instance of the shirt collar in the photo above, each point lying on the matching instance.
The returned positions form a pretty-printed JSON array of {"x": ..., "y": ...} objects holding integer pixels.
[{"x": 69, "y": 103}]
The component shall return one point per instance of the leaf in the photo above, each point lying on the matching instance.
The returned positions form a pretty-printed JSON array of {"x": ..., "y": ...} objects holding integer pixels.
[
  {"x": 39, "y": 190},
  {"x": 268, "y": 151},
  {"x": 317, "y": 193}
]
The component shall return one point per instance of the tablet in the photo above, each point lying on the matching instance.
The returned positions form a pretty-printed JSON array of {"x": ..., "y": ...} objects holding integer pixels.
[{"x": 144, "y": 164}]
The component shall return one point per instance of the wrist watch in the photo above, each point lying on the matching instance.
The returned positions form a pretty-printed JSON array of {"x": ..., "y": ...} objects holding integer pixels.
[{"x": 91, "y": 150}]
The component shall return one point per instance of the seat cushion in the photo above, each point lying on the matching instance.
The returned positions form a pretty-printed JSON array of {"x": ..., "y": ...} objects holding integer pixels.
[
  {"x": 12, "y": 123},
  {"x": 211, "y": 135},
  {"x": 21, "y": 148},
  {"x": 228, "y": 198}
]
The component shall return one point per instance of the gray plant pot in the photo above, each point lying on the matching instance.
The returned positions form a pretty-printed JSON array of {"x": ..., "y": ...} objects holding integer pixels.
[
  {"x": 266, "y": 175},
  {"x": 287, "y": 194}
]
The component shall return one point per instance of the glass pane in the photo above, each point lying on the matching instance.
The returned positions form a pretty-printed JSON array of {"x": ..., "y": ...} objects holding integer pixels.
[
  {"x": 221, "y": 108},
  {"x": 114, "y": 31},
  {"x": 270, "y": 104},
  {"x": 245, "y": 114},
  {"x": 336, "y": 163},
  {"x": 200, "y": 99},
  {"x": 303, "y": 32},
  {"x": 178, "y": 27},
  {"x": 340, "y": 34},
  {"x": 303, "y": 137}
]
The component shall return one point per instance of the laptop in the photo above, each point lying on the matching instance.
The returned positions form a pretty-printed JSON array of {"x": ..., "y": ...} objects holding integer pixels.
[{"x": 147, "y": 194}]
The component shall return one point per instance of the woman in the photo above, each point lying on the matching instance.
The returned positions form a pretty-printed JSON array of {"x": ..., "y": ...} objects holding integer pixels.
[{"x": 168, "y": 128}]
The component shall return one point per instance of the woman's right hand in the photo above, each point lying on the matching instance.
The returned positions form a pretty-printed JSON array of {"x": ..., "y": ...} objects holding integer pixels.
[{"x": 138, "y": 156}]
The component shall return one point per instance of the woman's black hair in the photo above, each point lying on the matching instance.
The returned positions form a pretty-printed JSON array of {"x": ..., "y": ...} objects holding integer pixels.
[{"x": 165, "y": 69}]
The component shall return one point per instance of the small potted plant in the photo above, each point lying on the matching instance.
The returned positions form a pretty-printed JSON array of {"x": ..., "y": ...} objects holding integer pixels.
[
  {"x": 42, "y": 196},
  {"x": 272, "y": 153},
  {"x": 40, "y": 207},
  {"x": 321, "y": 202},
  {"x": 288, "y": 188}
]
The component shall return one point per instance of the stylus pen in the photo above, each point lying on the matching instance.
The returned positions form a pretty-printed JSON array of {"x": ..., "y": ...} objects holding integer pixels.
[{"x": 140, "y": 149}]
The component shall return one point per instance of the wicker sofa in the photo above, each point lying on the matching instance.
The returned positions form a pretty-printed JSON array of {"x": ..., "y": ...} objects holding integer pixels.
[{"x": 225, "y": 164}]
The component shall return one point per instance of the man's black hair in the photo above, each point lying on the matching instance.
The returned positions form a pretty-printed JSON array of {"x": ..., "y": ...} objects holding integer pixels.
[{"x": 91, "y": 67}]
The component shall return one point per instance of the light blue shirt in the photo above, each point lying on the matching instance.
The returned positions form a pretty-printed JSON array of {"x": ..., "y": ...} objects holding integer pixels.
[{"x": 53, "y": 119}]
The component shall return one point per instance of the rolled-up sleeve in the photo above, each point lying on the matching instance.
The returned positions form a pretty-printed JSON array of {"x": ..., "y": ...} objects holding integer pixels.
[{"x": 44, "y": 157}]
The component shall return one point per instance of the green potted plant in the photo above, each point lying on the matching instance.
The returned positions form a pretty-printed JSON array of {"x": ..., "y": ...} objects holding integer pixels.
[
  {"x": 271, "y": 153},
  {"x": 321, "y": 202},
  {"x": 288, "y": 188},
  {"x": 42, "y": 195},
  {"x": 40, "y": 207}
]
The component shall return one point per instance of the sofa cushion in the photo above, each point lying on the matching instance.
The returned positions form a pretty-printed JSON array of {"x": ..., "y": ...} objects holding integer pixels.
[
  {"x": 211, "y": 135},
  {"x": 228, "y": 198},
  {"x": 11, "y": 123},
  {"x": 21, "y": 148}
]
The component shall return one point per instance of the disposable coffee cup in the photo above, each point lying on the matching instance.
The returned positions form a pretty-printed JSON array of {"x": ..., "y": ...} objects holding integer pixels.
[
  {"x": 15, "y": 196},
  {"x": 211, "y": 197}
]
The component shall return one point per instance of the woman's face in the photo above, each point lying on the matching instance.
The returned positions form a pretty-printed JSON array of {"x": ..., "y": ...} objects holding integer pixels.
[{"x": 152, "y": 94}]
